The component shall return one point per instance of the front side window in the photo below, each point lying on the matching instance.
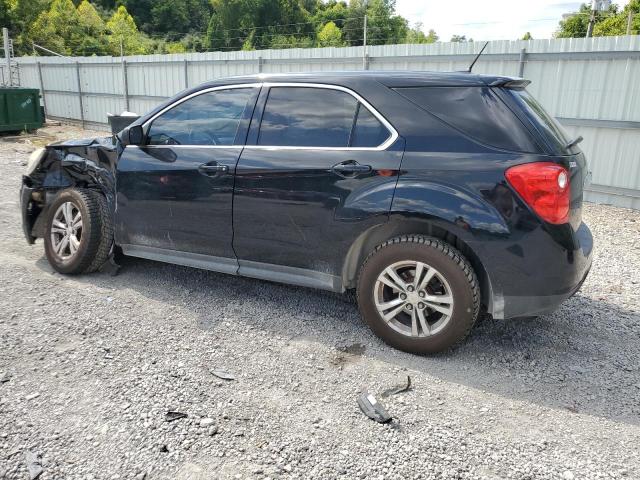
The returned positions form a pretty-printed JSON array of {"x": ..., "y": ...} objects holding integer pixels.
[
  {"x": 307, "y": 117},
  {"x": 211, "y": 118}
]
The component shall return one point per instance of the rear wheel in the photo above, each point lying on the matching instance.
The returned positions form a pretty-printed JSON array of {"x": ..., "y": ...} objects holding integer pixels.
[
  {"x": 79, "y": 234},
  {"x": 418, "y": 294}
]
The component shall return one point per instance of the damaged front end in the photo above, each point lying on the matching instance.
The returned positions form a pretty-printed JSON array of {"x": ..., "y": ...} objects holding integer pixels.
[{"x": 89, "y": 163}]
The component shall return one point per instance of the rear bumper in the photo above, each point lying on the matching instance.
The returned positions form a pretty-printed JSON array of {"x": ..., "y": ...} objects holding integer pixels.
[
  {"x": 540, "y": 286},
  {"x": 525, "y": 306}
]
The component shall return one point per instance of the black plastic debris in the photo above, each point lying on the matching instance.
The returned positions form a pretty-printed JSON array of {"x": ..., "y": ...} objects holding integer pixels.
[
  {"x": 223, "y": 375},
  {"x": 398, "y": 389},
  {"x": 34, "y": 464},
  {"x": 372, "y": 408},
  {"x": 172, "y": 416}
]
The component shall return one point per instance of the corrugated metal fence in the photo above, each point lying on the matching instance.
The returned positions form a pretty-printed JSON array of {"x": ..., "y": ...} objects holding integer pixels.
[{"x": 591, "y": 85}]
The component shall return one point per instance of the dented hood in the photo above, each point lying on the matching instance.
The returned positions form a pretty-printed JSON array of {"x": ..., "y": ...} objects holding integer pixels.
[{"x": 106, "y": 142}]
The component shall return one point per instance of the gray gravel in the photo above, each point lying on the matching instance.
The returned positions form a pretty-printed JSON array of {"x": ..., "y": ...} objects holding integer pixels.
[{"x": 90, "y": 366}]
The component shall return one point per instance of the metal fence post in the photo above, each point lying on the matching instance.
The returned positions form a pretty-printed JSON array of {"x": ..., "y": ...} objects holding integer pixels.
[
  {"x": 125, "y": 85},
  {"x": 186, "y": 73},
  {"x": 260, "y": 63},
  {"x": 44, "y": 100},
  {"x": 522, "y": 62},
  {"x": 80, "y": 93}
]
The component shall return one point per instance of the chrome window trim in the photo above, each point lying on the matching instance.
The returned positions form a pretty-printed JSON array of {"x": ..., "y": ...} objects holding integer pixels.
[
  {"x": 393, "y": 134},
  {"x": 186, "y": 146}
]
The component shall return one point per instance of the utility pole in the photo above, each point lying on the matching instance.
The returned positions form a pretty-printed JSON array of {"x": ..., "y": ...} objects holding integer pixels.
[
  {"x": 364, "y": 43},
  {"x": 7, "y": 54},
  {"x": 592, "y": 20},
  {"x": 629, "y": 20}
]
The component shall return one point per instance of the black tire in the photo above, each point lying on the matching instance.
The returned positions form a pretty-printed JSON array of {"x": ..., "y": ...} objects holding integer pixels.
[
  {"x": 450, "y": 263},
  {"x": 96, "y": 233}
]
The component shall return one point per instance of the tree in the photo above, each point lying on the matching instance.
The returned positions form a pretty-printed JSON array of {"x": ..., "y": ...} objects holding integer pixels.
[
  {"x": 384, "y": 27},
  {"x": 353, "y": 31},
  {"x": 290, "y": 41},
  {"x": 5, "y": 14},
  {"x": 527, "y": 36},
  {"x": 23, "y": 14},
  {"x": 575, "y": 26},
  {"x": 58, "y": 28},
  {"x": 94, "y": 39},
  {"x": 617, "y": 24},
  {"x": 417, "y": 35},
  {"x": 124, "y": 34},
  {"x": 459, "y": 39},
  {"x": 332, "y": 11},
  {"x": 330, "y": 36}
]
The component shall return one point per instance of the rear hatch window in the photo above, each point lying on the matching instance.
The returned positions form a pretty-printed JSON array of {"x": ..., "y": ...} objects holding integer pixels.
[
  {"x": 551, "y": 131},
  {"x": 477, "y": 112}
]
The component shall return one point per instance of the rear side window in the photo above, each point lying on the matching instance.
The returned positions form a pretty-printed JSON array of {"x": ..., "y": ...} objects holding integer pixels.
[
  {"x": 368, "y": 130},
  {"x": 477, "y": 112},
  {"x": 307, "y": 117}
]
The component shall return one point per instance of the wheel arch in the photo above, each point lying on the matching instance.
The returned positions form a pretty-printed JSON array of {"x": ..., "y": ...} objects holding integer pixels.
[{"x": 401, "y": 225}]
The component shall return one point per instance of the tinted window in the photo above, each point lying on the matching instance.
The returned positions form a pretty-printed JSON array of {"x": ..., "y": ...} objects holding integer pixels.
[
  {"x": 476, "y": 112},
  {"x": 368, "y": 131},
  {"x": 209, "y": 119},
  {"x": 548, "y": 125},
  {"x": 307, "y": 117}
]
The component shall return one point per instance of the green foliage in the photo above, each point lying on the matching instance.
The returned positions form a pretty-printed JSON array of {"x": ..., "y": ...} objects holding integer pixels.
[
  {"x": 609, "y": 22},
  {"x": 527, "y": 36},
  {"x": 330, "y": 36},
  {"x": 617, "y": 24},
  {"x": 460, "y": 39},
  {"x": 124, "y": 35},
  {"x": 58, "y": 28},
  {"x": 101, "y": 27},
  {"x": 5, "y": 14},
  {"x": 417, "y": 35}
]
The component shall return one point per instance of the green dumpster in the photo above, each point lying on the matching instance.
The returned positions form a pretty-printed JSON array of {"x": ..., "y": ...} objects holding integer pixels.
[{"x": 20, "y": 109}]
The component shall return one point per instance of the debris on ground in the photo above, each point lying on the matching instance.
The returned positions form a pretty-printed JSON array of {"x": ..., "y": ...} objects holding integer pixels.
[
  {"x": 223, "y": 375},
  {"x": 34, "y": 464},
  {"x": 372, "y": 408},
  {"x": 398, "y": 389},
  {"x": 171, "y": 416},
  {"x": 5, "y": 377}
]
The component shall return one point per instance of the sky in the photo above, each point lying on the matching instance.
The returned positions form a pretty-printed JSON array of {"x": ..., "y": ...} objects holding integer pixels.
[{"x": 489, "y": 19}]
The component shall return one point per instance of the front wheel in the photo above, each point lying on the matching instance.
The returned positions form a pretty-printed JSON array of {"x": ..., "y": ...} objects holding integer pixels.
[
  {"x": 79, "y": 233},
  {"x": 418, "y": 294}
]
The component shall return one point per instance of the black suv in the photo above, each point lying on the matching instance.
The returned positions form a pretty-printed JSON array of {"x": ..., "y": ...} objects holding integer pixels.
[{"x": 437, "y": 197}]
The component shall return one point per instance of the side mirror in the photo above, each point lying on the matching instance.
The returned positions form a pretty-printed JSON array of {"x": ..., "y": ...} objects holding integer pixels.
[{"x": 136, "y": 135}]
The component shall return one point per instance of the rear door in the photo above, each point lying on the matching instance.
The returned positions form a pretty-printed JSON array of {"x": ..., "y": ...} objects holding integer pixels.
[
  {"x": 319, "y": 167},
  {"x": 174, "y": 194}
]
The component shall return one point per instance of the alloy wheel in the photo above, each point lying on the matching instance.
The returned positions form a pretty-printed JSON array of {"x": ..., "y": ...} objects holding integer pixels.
[
  {"x": 66, "y": 231},
  {"x": 413, "y": 298}
]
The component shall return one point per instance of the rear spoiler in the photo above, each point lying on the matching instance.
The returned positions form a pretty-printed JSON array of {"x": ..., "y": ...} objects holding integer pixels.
[{"x": 513, "y": 84}]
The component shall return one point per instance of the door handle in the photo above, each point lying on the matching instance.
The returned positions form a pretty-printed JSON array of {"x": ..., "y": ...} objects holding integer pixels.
[
  {"x": 351, "y": 168},
  {"x": 209, "y": 169}
]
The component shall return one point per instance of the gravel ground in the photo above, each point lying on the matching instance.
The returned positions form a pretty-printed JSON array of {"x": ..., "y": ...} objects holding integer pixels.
[{"x": 90, "y": 365}]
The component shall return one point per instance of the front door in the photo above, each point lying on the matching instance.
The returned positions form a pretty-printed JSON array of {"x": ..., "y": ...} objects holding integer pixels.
[
  {"x": 320, "y": 167},
  {"x": 174, "y": 194}
]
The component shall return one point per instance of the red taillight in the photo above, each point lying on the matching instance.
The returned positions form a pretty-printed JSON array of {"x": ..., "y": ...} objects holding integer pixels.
[{"x": 544, "y": 187}]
